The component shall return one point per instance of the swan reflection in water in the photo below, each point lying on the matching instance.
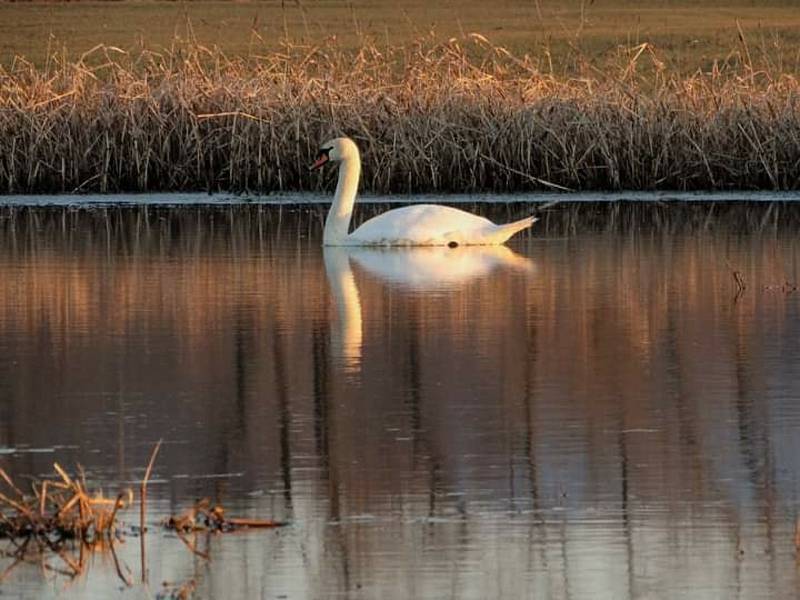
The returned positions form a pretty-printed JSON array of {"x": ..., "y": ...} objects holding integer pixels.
[{"x": 420, "y": 269}]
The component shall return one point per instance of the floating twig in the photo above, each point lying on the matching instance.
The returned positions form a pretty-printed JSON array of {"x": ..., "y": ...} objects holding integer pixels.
[
  {"x": 740, "y": 283},
  {"x": 205, "y": 517}
]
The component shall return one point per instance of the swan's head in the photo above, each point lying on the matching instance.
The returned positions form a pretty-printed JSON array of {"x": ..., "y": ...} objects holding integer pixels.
[{"x": 335, "y": 150}]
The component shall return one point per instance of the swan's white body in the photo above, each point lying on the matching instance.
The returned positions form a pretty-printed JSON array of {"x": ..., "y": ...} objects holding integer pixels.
[{"x": 418, "y": 225}]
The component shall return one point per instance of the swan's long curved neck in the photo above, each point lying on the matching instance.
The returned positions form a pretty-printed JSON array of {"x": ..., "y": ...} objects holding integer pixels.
[{"x": 338, "y": 220}]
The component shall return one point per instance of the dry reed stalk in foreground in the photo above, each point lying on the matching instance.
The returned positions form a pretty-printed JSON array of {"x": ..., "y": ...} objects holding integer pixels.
[
  {"x": 461, "y": 116},
  {"x": 60, "y": 507},
  {"x": 59, "y": 517},
  {"x": 143, "y": 508},
  {"x": 61, "y": 511}
]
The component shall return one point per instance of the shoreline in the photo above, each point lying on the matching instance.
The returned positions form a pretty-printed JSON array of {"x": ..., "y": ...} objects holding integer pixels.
[{"x": 314, "y": 198}]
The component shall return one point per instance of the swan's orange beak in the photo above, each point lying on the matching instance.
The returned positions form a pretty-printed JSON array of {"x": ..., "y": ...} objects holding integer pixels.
[{"x": 322, "y": 158}]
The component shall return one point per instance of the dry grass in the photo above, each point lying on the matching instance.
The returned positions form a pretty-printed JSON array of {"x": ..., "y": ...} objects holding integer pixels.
[
  {"x": 59, "y": 518},
  {"x": 689, "y": 34},
  {"x": 461, "y": 116},
  {"x": 60, "y": 508}
]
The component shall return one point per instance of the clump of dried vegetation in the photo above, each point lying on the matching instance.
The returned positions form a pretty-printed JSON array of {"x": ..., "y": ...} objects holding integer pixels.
[
  {"x": 63, "y": 509},
  {"x": 464, "y": 115},
  {"x": 61, "y": 518}
]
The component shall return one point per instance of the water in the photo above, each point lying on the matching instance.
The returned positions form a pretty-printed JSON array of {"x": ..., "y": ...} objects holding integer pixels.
[{"x": 594, "y": 412}]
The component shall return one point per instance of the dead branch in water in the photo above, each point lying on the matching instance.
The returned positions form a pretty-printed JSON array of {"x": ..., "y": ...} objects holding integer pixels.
[
  {"x": 740, "y": 283},
  {"x": 204, "y": 516},
  {"x": 738, "y": 278}
]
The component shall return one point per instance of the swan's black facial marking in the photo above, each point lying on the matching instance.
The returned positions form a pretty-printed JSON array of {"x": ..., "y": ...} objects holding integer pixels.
[{"x": 323, "y": 156}]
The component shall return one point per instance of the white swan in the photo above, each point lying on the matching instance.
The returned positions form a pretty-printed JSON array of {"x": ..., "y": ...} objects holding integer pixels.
[{"x": 417, "y": 225}]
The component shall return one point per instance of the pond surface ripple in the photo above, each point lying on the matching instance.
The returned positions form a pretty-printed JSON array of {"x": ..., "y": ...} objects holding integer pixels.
[{"x": 588, "y": 413}]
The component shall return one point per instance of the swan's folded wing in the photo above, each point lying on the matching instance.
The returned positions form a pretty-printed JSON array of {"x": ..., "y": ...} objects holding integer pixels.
[{"x": 422, "y": 224}]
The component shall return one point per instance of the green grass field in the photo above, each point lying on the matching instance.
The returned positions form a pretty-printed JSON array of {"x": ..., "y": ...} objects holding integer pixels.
[{"x": 685, "y": 35}]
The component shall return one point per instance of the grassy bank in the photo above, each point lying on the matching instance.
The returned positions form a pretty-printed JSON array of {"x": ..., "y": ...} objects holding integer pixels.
[
  {"x": 688, "y": 34},
  {"x": 463, "y": 116}
]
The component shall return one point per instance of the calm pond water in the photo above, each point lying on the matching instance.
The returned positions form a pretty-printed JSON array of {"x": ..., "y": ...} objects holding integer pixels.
[{"x": 593, "y": 412}]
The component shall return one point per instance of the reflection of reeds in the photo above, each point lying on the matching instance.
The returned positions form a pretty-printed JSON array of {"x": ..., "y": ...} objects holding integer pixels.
[
  {"x": 457, "y": 116},
  {"x": 185, "y": 269},
  {"x": 129, "y": 228},
  {"x": 221, "y": 249}
]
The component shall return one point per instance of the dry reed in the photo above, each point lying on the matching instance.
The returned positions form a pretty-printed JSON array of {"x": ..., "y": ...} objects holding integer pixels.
[
  {"x": 143, "y": 509},
  {"x": 460, "y": 116},
  {"x": 62, "y": 518},
  {"x": 60, "y": 507}
]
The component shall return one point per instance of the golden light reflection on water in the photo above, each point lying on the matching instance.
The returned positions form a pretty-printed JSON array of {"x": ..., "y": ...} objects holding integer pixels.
[{"x": 593, "y": 415}]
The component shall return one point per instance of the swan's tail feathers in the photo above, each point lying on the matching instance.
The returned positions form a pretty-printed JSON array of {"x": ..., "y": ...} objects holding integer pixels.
[{"x": 502, "y": 233}]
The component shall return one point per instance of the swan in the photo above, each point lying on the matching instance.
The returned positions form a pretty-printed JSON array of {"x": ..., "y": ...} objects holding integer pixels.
[{"x": 417, "y": 225}]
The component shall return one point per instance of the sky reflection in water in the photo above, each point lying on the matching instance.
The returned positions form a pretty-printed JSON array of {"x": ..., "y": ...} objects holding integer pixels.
[{"x": 595, "y": 415}]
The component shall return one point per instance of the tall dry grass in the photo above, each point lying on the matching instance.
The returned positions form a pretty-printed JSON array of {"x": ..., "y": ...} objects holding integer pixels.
[{"x": 460, "y": 116}]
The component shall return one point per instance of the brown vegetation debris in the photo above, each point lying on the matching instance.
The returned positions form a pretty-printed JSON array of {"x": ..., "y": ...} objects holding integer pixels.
[
  {"x": 60, "y": 508},
  {"x": 204, "y": 516},
  {"x": 177, "y": 591},
  {"x": 60, "y": 518}
]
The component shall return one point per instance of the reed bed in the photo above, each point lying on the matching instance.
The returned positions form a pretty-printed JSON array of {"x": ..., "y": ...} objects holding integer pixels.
[{"x": 464, "y": 115}]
